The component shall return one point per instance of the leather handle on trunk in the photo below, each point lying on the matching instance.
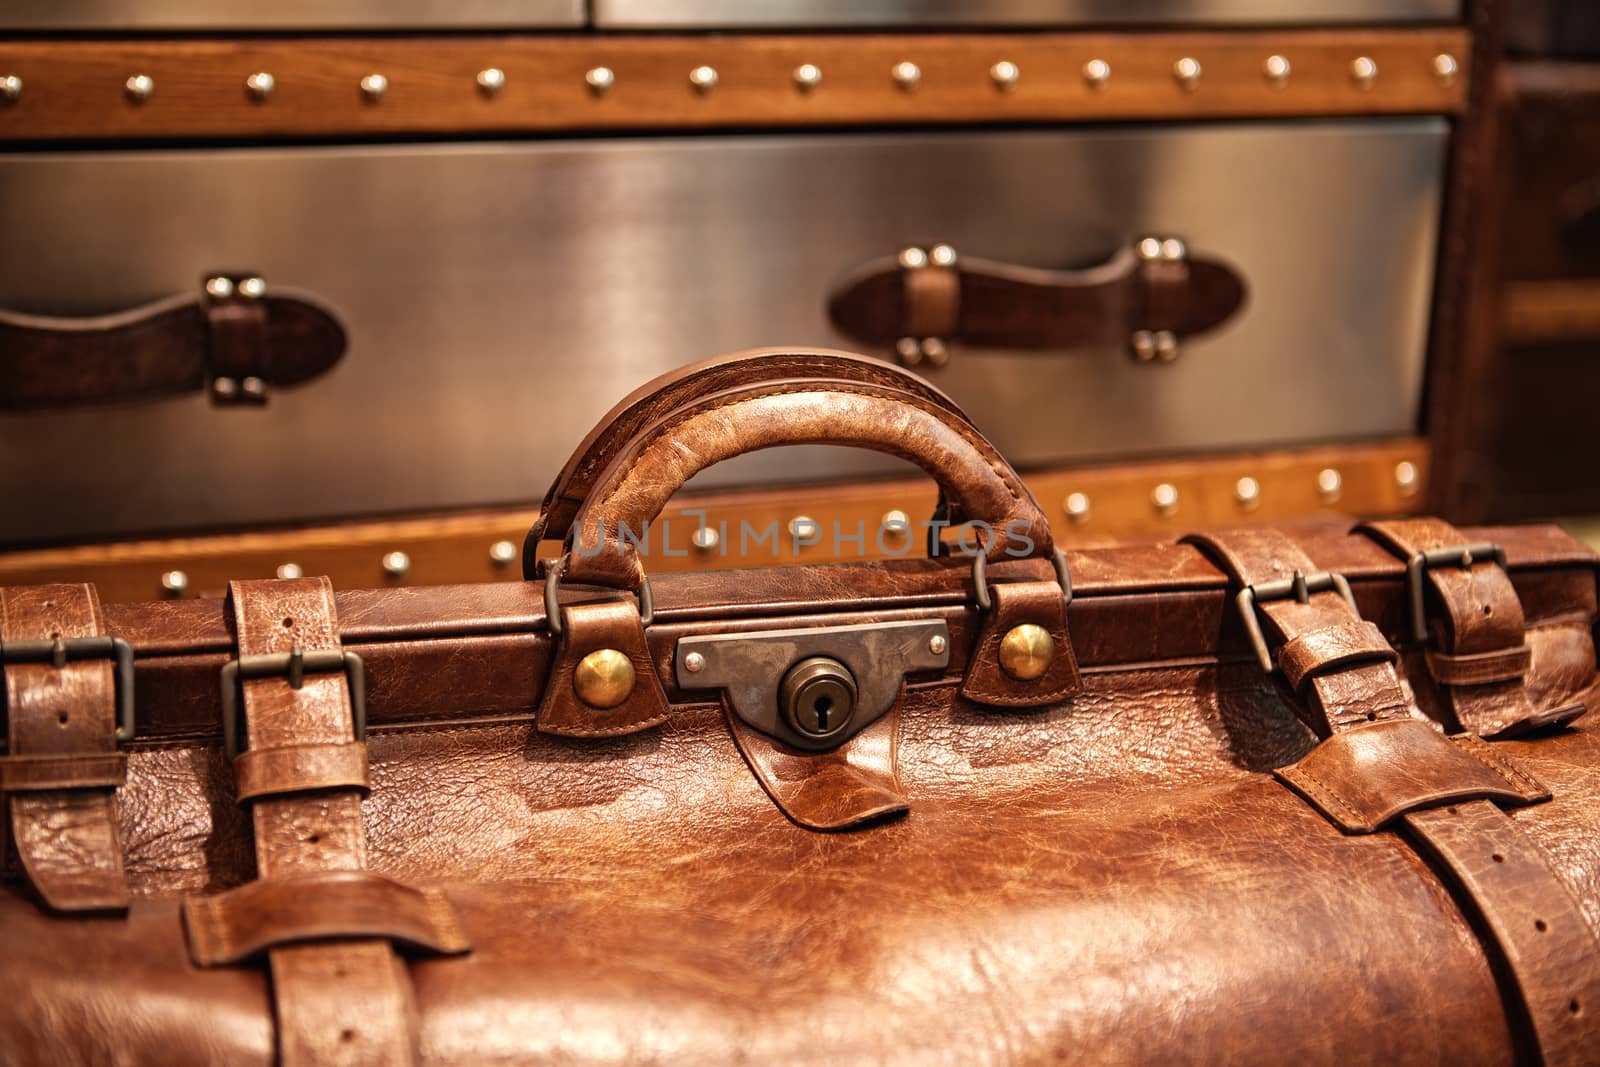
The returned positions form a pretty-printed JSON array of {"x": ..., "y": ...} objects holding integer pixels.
[
  {"x": 660, "y": 397},
  {"x": 638, "y": 482},
  {"x": 233, "y": 338},
  {"x": 1150, "y": 295}
]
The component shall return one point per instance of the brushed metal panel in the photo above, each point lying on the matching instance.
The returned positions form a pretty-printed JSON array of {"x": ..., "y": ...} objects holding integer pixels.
[
  {"x": 500, "y": 297},
  {"x": 772, "y": 14},
  {"x": 285, "y": 14}
]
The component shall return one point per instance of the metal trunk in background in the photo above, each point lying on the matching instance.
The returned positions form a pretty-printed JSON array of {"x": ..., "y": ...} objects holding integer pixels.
[{"x": 498, "y": 297}]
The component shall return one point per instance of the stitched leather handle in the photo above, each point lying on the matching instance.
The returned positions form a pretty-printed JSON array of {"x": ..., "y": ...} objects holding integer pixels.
[
  {"x": 1152, "y": 290},
  {"x": 888, "y": 418},
  {"x": 239, "y": 341},
  {"x": 660, "y": 397}
]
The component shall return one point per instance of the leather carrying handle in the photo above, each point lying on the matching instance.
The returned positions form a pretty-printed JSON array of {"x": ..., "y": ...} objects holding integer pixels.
[
  {"x": 659, "y": 398},
  {"x": 1149, "y": 290},
  {"x": 233, "y": 338},
  {"x": 639, "y": 481}
]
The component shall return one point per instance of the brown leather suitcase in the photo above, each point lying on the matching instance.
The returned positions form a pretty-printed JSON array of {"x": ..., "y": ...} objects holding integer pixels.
[{"x": 1255, "y": 797}]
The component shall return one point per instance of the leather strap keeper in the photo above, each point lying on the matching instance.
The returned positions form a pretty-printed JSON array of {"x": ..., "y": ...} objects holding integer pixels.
[
  {"x": 29, "y": 774},
  {"x": 300, "y": 769},
  {"x": 1332, "y": 648},
  {"x": 932, "y": 302},
  {"x": 1364, "y": 778},
  {"x": 242, "y": 923},
  {"x": 1478, "y": 668}
]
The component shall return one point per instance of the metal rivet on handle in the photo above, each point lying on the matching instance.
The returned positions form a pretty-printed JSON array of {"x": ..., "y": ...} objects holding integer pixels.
[
  {"x": 807, "y": 76},
  {"x": 10, "y": 88},
  {"x": 1005, "y": 74},
  {"x": 1364, "y": 71},
  {"x": 1166, "y": 345},
  {"x": 1143, "y": 343},
  {"x": 253, "y": 387},
  {"x": 1026, "y": 651},
  {"x": 396, "y": 564},
  {"x": 1077, "y": 507},
  {"x": 1187, "y": 71},
  {"x": 1445, "y": 68},
  {"x": 913, "y": 258},
  {"x": 1276, "y": 69},
  {"x": 906, "y": 75},
  {"x": 219, "y": 288},
  {"x": 935, "y": 352},
  {"x": 1329, "y": 484},
  {"x": 1165, "y": 498},
  {"x": 290, "y": 570},
  {"x": 253, "y": 287},
  {"x": 260, "y": 85},
  {"x": 1173, "y": 250},
  {"x": 1096, "y": 72},
  {"x": 139, "y": 87},
  {"x": 373, "y": 86},
  {"x": 909, "y": 351},
  {"x": 1247, "y": 491},
  {"x": 224, "y": 388},
  {"x": 703, "y": 78},
  {"x": 599, "y": 79},
  {"x": 491, "y": 80},
  {"x": 174, "y": 583},
  {"x": 502, "y": 553},
  {"x": 1149, "y": 248},
  {"x": 604, "y": 678},
  {"x": 942, "y": 255}
]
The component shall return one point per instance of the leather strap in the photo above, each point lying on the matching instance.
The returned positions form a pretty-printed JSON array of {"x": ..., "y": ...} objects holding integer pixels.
[
  {"x": 1345, "y": 674},
  {"x": 985, "y": 303},
  {"x": 167, "y": 348},
  {"x": 1480, "y": 654},
  {"x": 1382, "y": 765},
  {"x": 62, "y": 765},
  {"x": 299, "y": 769},
  {"x": 347, "y": 1002}
]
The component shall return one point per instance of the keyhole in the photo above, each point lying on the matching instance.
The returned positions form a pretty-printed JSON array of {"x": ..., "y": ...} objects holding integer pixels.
[{"x": 821, "y": 706}]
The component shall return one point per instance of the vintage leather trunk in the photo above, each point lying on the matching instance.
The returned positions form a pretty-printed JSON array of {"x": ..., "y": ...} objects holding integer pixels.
[
  {"x": 1122, "y": 291},
  {"x": 1264, "y": 796}
]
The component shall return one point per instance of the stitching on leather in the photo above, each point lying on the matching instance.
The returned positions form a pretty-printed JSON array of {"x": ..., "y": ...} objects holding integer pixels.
[
  {"x": 618, "y": 731},
  {"x": 1324, "y": 794},
  {"x": 1480, "y": 750}
]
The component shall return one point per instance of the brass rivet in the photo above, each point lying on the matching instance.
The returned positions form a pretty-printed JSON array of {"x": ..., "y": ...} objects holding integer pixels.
[
  {"x": 603, "y": 678},
  {"x": 1026, "y": 651}
]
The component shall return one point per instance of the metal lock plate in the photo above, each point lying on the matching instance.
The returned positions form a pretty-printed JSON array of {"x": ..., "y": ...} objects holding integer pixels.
[{"x": 752, "y": 668}]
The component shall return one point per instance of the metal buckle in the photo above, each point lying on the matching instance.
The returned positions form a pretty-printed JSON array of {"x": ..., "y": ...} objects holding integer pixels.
[
  {"x": 59, "y": 652},
  {"x": 552, "y": 597},
  {"x": 1300, "y": 587},
  {"x": 1463, "y": 556},
  {"x": 980, "y": 579},
  {"x": 293, "y": 665}
]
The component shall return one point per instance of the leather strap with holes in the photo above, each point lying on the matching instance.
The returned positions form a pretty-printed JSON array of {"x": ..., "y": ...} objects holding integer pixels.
[
  {"x": 1383, "y": 766},
  {"x": 1479, "y": 655},
  {"x": 350, "y": 1001},
  {"x": 62, "y": 766}
]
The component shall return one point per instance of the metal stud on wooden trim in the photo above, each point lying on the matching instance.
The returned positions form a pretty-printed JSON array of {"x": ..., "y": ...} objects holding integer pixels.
[
  {"x": 396, "y": 564},
  {"x": 139, "y": 87},
  {"x": 1096, "y": 72},
  {"x": 807, "y": 76},
  {"x": 373, "y": 86},
  {"x": 502, "y": 553},
  {"x": 1005, "y": 74},
  {"x": 174, "y": 583},
  {"x": 1277, "y": 70},
  {"x": 705, "y": 540},
  {"x": 906, "y": 74},
  {"x": 1187, "y": 71},
  {"x": 600, "y": 79},
  {"x": 290, "y": 570},
  {"x": 1330, "y": 484},
  {"x": 1077, "y": 507},
  {"x": 703, "y": 78},
  {"x": 260, "y": 85},
  {"x": 1247, "y": 493},
  {"x": 1445, "y": 68},
  {"x": 1407, "y": 478},
  {"x": 1164, "y": 498},
  {"x": 804, "y": 528},
  {"x": 10, "y": 88},
  {"x": 1364, "y": 71},
  {"x": 491, "y": 80}
]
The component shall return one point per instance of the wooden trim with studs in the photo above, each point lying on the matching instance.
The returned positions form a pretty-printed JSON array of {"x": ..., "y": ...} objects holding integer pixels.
[
  {"x": 264, "y": 87},
  {"x": 1090, "y": 505}
]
